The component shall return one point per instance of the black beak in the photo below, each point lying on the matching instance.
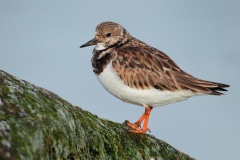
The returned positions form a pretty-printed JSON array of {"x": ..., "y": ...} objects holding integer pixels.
[{"x": 94, "y": 41}]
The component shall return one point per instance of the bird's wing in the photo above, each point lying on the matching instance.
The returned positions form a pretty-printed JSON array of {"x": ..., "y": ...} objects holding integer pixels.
[{"x": 143, "y": 68}]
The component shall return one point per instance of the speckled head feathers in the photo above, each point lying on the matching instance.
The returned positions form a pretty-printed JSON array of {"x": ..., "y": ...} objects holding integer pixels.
[{"x": 108, "y": 34}]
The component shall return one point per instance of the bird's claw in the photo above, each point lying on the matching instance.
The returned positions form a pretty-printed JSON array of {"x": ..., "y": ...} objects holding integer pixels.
[{"x": 136, "y": 128}]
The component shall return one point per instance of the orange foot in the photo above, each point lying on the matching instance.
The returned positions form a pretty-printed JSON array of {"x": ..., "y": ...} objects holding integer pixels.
[{"x": 136, "y": 127}]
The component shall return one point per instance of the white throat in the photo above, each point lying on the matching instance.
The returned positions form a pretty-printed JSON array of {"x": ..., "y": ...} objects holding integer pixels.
[{"x": 100, "y": 46}]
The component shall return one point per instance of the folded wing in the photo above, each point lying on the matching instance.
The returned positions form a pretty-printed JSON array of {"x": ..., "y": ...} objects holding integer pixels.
[{"x": 140, "y": 69}]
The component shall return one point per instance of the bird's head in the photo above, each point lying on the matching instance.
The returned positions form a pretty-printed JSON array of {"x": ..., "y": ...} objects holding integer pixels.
[{"x": 108, "y": 34}]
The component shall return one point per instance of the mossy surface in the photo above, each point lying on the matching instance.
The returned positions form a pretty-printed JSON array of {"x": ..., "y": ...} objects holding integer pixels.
[{"x": 38, "y": 124}]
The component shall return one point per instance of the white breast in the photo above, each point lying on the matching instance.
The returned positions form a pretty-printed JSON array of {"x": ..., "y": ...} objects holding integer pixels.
[{"x": 151, "y": 97}]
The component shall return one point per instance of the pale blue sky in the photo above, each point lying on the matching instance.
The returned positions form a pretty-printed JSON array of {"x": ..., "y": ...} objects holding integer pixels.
[{"x": 39, "y": 42}]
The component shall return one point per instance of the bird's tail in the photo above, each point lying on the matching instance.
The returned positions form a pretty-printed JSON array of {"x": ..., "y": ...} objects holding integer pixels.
[
  {"x": 188, "y": 82},
  {"x": 218, "y": 87}
]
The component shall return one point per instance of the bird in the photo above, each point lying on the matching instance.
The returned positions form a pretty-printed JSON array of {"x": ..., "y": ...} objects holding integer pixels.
[{"x": 140, "y": 74}]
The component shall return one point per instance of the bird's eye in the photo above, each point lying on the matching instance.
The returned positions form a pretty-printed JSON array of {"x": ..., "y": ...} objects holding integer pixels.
[{"x": 108, "y": 34}]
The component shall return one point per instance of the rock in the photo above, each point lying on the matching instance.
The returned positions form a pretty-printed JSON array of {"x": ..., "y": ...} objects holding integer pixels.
[{"x": 38, "y": 124}]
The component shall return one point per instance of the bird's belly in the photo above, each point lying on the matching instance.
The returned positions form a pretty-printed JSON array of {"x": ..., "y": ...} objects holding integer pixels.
[{"x": 151, "y": 97}]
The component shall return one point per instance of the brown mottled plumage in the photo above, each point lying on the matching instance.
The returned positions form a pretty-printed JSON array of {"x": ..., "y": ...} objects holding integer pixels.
[
  {"x": 137, "y": 73},
  {"x": 157, "y": 70}
]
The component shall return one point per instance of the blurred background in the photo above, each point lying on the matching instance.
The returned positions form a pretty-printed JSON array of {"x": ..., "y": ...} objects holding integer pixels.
[{"x": 39, "y": 42}]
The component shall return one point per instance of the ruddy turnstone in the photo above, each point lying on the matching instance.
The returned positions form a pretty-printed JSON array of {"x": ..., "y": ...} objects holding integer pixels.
[{"x": 138, "y": 73}]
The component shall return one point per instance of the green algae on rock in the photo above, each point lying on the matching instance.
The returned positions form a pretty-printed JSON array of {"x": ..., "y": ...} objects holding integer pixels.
[{"x": 38, "y": 124}]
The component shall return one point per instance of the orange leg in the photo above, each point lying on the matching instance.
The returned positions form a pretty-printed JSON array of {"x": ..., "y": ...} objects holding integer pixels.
[{"x": 135, "y": 126}]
